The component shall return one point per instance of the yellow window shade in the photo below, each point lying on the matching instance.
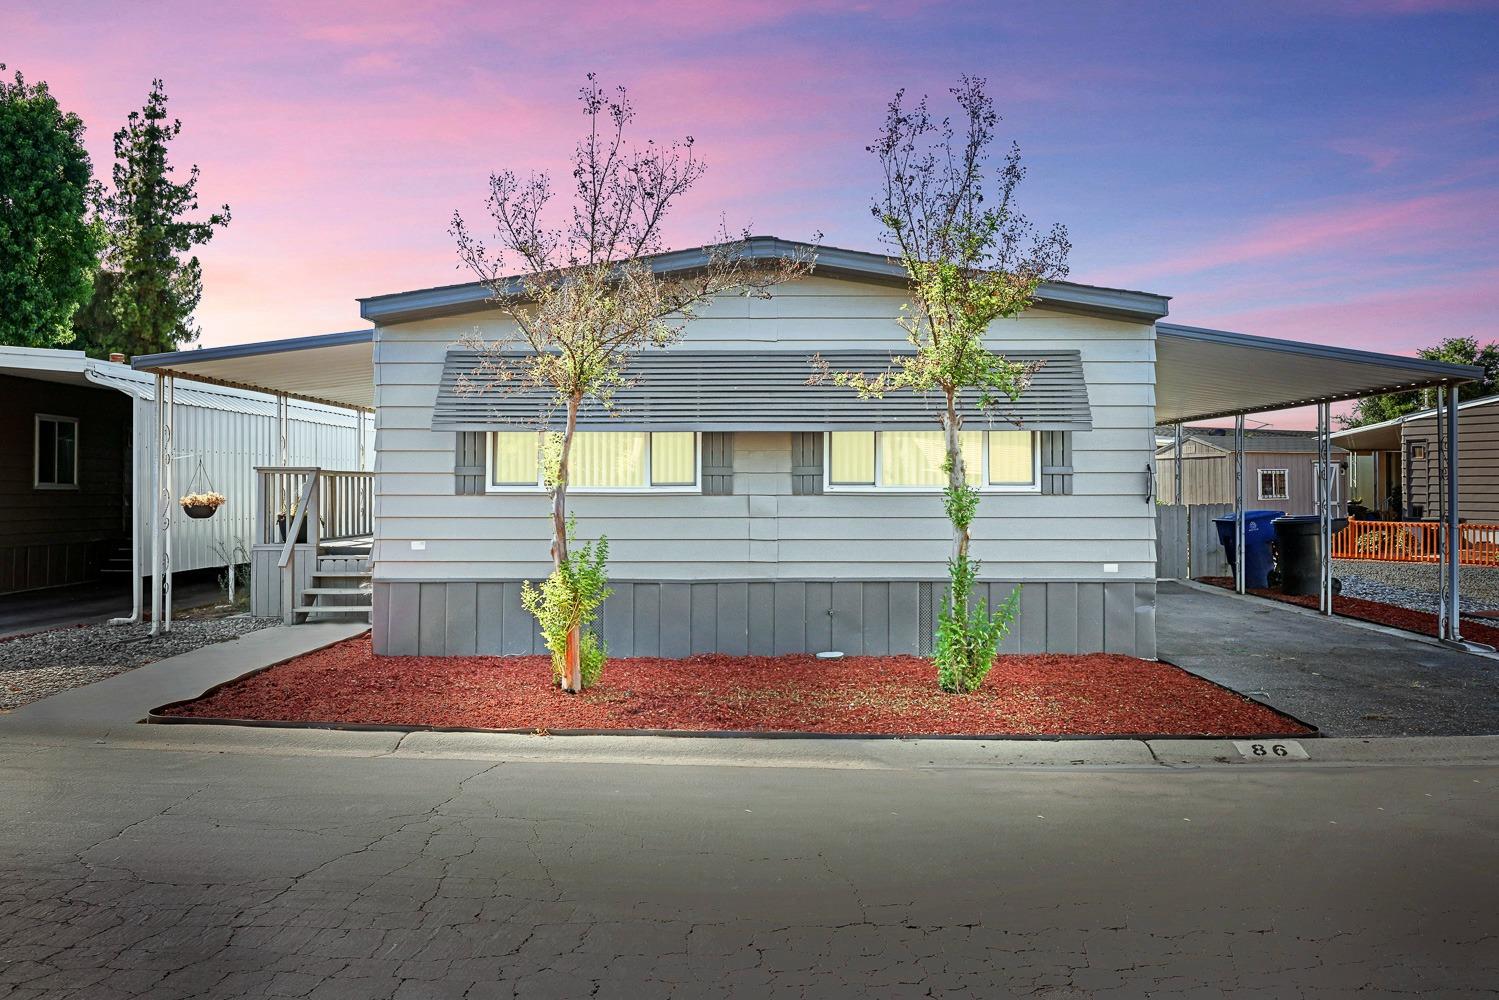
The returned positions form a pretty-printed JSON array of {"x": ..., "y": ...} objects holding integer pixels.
[
  {"x": 673, "y": 455},
  {"x": 851, "y": 458}
]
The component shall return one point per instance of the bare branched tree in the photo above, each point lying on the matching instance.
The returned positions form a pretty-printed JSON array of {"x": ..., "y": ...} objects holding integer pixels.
[
  {"x": 971, "y": 258},
  {"x": 587, "y": 298}
]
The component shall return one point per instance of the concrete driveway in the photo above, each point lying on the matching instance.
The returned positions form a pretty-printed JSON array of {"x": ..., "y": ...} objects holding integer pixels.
[{"x": 1345, "y": 679}]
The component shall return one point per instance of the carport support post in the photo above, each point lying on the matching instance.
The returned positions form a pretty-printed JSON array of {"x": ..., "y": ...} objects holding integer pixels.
[
  {"x": 1454, "y": 530},
  {"x": 1176, "y": 492},
  {"x": 1324, "y": 510},
  {"x": 1239, "y": 533}
]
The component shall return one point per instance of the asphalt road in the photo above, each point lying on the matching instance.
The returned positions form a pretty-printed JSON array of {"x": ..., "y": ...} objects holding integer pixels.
[{"x": 161, "y": 873}]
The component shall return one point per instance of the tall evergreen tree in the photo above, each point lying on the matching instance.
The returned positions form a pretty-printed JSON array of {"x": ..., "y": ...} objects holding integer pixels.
[
  {"x": 152, "y": 282},
  {"x": 48, "y": 245}
]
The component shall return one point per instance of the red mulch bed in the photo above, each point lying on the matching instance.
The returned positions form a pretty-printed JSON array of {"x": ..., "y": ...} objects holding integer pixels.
[
  {"x": 1420, "y": 622},
  {"x": 1098, "y": 694}
]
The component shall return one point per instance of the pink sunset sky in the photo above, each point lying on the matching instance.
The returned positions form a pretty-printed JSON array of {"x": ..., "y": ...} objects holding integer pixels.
[{"x": 1322, "y": 170}]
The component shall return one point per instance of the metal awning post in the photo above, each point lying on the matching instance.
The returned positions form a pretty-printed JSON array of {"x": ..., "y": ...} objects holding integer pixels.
[
  {"x": 1324, "y": 500},
  {"x": 1444, "y": 550},
  {"x": 168, "y": 501},
  {"x": 1454, "y": 529},
  {"x": 1239, "y": 532},
  {"x": 156, "y": 509},
  {"x": 1177, "y": 491}
]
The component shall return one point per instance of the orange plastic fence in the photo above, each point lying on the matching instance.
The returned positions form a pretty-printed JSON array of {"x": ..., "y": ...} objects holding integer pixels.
[{"x": 1415, "y": 541}]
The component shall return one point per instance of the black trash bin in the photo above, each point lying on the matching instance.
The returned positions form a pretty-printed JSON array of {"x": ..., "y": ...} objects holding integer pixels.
[{"x": 1298, "y": 543}]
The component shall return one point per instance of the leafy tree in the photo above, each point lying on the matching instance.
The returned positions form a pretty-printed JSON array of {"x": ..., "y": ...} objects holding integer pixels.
[
  {"x": 1457, "y": 350},
  {"x": 587, "y": 303},
  {"x": 147, "y": 295},
  {"x": 970, "y": 258},
  {"x": 48, "y": 245}
]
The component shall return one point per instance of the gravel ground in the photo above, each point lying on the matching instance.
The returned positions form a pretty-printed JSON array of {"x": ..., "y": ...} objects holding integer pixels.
[
  {"x": 1415, "y": 585},
  {"x": 35, "y": 666}
]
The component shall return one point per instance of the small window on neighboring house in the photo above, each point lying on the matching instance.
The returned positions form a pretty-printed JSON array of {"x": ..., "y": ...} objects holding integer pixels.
[
  {"x": 603, "y": 461},
  {"x": 1002, "y": 461},
  {"x": 56, "y": 452},
  {"x": 1273, "y": 485},
  {"x": 1418, "y": 452}
]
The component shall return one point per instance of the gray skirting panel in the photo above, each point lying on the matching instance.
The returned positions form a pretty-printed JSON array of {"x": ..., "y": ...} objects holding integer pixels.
[{"x": 785, "y": 616}]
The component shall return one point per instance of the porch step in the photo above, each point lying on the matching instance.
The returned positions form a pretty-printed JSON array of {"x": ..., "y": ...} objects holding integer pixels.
[
  {"x": 337, "y": 591},
  {"x": 351, "y": 574},
  {"x": 334, "y": 609}
]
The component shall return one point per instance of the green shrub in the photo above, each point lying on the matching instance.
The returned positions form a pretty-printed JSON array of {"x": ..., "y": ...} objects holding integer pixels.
[
  {"x": 968, "y": 635},
  {"x": 570, "y": 598}
]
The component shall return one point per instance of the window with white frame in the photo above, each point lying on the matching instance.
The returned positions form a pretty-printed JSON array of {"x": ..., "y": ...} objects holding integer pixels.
[
  {"x": 56, "y": 452},
  {"x": 999, "y": 461},
  {"x": 602, "y": 461},
  {"x": 1273, "y": 485}
]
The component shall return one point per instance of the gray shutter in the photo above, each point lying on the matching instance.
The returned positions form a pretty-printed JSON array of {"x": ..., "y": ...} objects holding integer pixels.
[
  {"x": 1056, "y": 462},
  {"x": 468, "y": 463},
  {"x": 806, "y": 462},
  {"x": 718, "y": 463}
]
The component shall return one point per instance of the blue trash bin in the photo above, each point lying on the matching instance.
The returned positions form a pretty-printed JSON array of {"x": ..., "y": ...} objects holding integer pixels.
[{"x": 1258, "y": 534}]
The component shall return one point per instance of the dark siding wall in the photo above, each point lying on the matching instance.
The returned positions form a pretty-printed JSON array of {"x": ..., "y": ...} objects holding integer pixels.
[
  {"x": 1478, "y": 464},
  {"x": 53, "y": 537}
]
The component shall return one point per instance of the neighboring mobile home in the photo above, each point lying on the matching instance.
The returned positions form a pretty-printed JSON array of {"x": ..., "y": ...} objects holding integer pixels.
[
  {"x": 749, "y": 511},
  {"x": 1396, "y": 460},
  {"x": 77, "y": 445},
  {"x": 1280, "y": 470}
]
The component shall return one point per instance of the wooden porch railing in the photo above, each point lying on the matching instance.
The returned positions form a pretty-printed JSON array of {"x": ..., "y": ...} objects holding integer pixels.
[
  {"x": 298, "y": 508},
  {"x": 345, "y": 504},
  {"x": 1415, "y": 541}
]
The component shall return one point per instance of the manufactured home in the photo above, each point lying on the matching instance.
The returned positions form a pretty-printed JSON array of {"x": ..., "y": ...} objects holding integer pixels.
[
  {"x": 747, "y": 510},
  {"x": 77, "y": 449}
]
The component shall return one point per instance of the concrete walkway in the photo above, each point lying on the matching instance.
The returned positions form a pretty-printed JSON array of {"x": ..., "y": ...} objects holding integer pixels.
[
  {"x": 1346, "y": 679},
  {"x": 119, "y": 702}
]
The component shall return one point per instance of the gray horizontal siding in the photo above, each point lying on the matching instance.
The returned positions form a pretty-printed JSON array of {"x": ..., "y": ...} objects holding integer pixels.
[
  {"x": 755, "y": 390},
  {"x": 763, "y": 532},
  {"x": 737, "y": 617}
]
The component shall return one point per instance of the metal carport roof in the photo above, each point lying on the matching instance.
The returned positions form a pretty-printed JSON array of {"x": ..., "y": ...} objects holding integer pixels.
[
  {"x": 1202, "y": 374},
  {"x": 333, "y": 368}
]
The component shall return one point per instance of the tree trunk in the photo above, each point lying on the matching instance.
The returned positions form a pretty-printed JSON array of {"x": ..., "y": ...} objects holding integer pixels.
[
  {"x": 572, "y": 671},
  {"x": 957, "y": 475}
]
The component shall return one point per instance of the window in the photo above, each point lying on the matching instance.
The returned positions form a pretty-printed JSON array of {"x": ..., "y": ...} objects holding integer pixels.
[
  {"x": 1001, "y": 461},
  {"x": 620, "y": 461},
  {"x": 56, "y": 452},
  {"x": 1273, "y": 485}
]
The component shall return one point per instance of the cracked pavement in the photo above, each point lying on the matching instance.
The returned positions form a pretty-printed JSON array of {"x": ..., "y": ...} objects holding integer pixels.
[{"x": 175, "y": 874}]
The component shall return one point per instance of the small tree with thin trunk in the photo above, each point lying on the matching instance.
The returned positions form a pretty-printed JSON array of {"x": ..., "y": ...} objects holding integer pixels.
[
  {"x": 588, "y": 301},
  {"x": 971, "y": 259}
]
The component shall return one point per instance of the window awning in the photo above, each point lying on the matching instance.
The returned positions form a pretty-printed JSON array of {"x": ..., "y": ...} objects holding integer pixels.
[{"x": 756, "y": 391}]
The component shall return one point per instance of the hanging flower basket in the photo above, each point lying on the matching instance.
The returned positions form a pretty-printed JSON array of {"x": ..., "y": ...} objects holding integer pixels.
[{"x": 201, "y": 505}]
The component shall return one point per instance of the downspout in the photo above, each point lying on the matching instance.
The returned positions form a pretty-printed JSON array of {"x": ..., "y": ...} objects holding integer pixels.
[{"x": 91, "y": 374}]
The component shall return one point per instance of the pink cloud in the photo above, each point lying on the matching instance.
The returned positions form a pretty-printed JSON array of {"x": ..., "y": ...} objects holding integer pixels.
[{"x": 1415, "y": 223}]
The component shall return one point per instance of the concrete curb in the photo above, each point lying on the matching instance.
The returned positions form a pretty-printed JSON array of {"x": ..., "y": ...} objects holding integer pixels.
[{"x": 935, "y": 754}]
